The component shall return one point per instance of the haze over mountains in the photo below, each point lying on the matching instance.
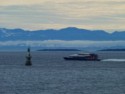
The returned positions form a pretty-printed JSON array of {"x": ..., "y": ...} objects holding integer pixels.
[
  {"x": 70, "y": 33},
  {"x": 71, "y": 37}
]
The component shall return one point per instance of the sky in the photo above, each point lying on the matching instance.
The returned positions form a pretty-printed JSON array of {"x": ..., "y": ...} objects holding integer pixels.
[{"x": 106, "y": 15}]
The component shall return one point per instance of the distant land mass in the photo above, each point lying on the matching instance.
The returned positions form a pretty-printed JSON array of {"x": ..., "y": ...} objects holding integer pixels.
[
  {"x": 58, "y": 50},
  {"x": 69, "y": 33},
  {"x": 112, "y": 50}
]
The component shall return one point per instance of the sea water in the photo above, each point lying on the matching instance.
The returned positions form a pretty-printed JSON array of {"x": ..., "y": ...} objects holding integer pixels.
[{"x": 51, "y": 74}]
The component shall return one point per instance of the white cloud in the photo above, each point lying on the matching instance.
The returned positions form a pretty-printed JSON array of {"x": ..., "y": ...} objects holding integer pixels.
[
  {"x": 60, "y": 43},
  {"x": 39, "y": 14}
]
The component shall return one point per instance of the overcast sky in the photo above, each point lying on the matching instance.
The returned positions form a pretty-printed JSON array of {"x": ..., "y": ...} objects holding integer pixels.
[{"x": 108, "y": 15}]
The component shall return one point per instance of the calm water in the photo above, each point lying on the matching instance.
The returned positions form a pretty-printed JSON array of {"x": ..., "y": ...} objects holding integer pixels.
[{"x": 51, "y": 74}]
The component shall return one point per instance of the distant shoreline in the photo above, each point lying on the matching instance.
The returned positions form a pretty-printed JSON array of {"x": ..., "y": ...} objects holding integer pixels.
[{"x": 112, "y": 50}]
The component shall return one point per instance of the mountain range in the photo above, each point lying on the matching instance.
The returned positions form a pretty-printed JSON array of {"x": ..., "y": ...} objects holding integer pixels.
[{"x": 69, "y": 33}]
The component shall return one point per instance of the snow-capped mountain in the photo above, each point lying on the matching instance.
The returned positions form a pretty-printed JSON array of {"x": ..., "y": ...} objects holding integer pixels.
[{"x": 70, "y": 33}]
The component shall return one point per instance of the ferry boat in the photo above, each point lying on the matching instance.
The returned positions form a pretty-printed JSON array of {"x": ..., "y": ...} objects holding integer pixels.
[{"x": 83, "y": 56}]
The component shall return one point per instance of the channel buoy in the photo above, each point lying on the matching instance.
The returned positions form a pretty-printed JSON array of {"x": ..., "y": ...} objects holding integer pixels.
[{"x": 28, "y": 58}]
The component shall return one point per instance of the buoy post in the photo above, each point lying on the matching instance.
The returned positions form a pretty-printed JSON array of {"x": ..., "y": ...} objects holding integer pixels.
[{"x": 28, "y": 58}]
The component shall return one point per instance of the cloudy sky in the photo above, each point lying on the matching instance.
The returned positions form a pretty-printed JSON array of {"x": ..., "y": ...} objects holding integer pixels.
[{"x": 108, "y": 15}]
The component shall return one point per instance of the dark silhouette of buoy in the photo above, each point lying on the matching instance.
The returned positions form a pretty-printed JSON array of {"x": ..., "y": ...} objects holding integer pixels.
[{"x": 28, "y": 58}]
